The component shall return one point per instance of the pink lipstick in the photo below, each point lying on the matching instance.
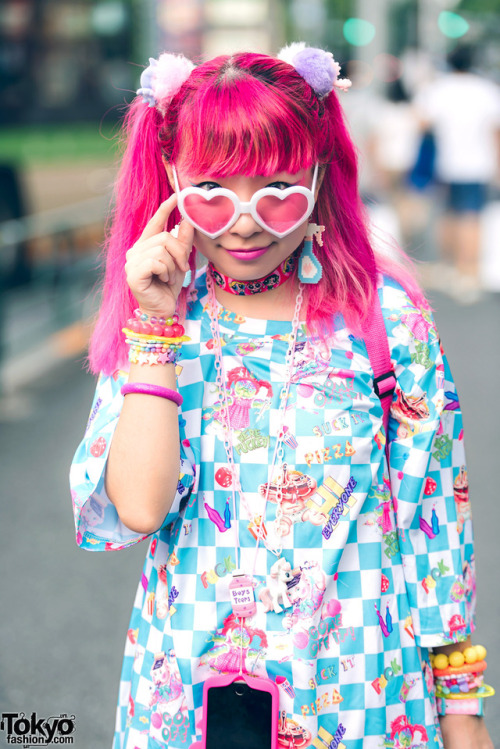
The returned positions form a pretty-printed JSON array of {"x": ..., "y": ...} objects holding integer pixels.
[{"x": 248, "y": 254}]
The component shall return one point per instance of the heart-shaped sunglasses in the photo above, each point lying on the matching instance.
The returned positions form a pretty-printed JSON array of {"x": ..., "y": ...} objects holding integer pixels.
[{"x": 277, "y": 211}]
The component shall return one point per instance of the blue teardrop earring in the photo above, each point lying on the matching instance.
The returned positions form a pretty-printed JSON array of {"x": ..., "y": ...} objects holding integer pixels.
[{"x": 310, "y": 270}]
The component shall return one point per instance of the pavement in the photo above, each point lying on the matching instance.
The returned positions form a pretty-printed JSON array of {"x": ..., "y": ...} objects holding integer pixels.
[{"x": 65, "y": 612}]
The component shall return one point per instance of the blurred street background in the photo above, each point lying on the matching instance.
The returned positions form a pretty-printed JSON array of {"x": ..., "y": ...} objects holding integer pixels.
[{"x": 67, "y": 69}]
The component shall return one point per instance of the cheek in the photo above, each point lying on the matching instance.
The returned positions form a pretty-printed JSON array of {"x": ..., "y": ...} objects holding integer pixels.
[
  {"x": 295, "y": 238},
  {"x": 204, "y": 245}
]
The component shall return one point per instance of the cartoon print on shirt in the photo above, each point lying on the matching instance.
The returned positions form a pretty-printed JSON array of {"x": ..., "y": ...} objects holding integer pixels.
[
  {"x": 291, "y": 735},
  {"x": 456, "y": 629},
  {"x": 243, "y": 391},
  {"x": 326, "y": 739},
  {"x": 339, "y": 386},
  {"x": 453, "y": 403},
  {"x": 385, "y": 624},
  {"x": 167, "y": 684},
  {"x": 469, "y": 577},
  {"x": 382, "y": 516},
  {"x": 421, "y": 355},
  {"x": 306, "y": 597},
  {"x": 243, "y": 349},
  {"x": 408, "y": 683},
  {"x": 416, "y": 324},
  {"x": 93, "y": 513},
  {"x": 431, "y": 530},
  {"x": 408, "y": 409},
  {"x": 312, "y": 358},
  {"x": 225, "y": 338},
  {"x": 248, "y": 440},
  {"x": 169, "y": 717},
  {"x": 161, "y": 599},
  {"x": 237, "y": 643},
  {"x": 293, "y": 488},
  {"x": 332, "y": 501},
  {"x": 461, "y": 495},
  {"x": 406, "y": 735},
  {"x": 222, "y": 523},
  {"x": 312, "y": 621},
  {"x": 429, "y": 680}
]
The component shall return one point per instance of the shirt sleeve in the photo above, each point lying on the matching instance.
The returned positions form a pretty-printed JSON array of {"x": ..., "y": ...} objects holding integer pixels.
[
  {"x": 428, "y": 477},
  {"x": 97, "y": 524}
]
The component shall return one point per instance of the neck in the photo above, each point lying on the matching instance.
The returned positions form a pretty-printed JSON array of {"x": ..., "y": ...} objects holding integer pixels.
[
  {"x": 275, "y": 304},
  {"x": 271, "y": 297},
  {"x": 271, "y": 280}
]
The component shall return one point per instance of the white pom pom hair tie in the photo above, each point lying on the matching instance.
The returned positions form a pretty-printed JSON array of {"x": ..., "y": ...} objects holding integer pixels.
[{"x": 163, "y": 79}]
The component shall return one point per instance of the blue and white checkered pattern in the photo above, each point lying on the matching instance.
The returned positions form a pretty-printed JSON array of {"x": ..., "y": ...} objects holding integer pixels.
[{"x": 382, "y": 569}]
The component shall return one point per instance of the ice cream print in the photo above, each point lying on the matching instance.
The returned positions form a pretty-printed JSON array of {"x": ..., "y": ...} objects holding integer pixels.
[{"x": 280, "y": 423}]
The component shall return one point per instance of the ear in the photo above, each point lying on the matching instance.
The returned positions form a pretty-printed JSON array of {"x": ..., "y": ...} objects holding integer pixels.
[
  {"x": 319, "y": 182},
  {"x": 170, "y": 174}
]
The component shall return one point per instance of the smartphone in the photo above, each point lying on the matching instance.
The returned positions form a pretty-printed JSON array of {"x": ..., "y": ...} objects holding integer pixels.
[{"x": 239, "y": 712}]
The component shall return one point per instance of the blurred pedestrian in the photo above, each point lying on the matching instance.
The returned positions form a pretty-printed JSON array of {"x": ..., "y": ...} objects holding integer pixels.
[
  {"x": 242, "y": 422},
  {"x": 463, "y": 111},
  {"x": 393, "y": 142}
]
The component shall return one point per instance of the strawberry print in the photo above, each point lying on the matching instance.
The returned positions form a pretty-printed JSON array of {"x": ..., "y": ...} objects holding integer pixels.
[
  {"x": 98, "y": 447},
  {"x": 430, "y": 487}
]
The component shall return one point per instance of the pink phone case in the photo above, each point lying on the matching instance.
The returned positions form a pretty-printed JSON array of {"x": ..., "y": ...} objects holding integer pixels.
[{"x": 264, "y": 685}]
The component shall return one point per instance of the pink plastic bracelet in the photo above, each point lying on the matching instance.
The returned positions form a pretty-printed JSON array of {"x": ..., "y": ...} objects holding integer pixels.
[{"x": 146, "y": 389}]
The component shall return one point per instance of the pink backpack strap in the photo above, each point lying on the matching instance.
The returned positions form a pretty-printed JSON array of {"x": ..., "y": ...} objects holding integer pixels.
[{"x": 377, "y": 345}]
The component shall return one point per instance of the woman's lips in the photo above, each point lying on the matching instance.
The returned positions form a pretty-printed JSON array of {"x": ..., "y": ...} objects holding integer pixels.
[{"x": 248, "y": 254}]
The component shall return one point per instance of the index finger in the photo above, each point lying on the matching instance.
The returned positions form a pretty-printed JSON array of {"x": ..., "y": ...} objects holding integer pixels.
[{"x": 156, "y": 223}]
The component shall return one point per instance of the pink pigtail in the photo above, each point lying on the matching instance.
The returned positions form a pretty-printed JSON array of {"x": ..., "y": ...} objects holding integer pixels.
[
  {"x": 141, "y": 187},
  {"x": 348, "y": 260}
]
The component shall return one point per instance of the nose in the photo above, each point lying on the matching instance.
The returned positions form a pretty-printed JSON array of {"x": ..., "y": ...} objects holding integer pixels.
[{"x": 245, "y": 226}]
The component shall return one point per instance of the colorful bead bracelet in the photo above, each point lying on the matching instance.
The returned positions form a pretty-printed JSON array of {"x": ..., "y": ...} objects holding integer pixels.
[
  {"x": 458, "y": 678},
  {"x": 154, "y": 340},
  {"x": 158, "y": 327}
]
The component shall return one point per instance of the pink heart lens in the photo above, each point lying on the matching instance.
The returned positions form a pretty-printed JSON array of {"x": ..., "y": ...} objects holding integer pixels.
[
  {"x": 211, "y": 215},
  {"x": 282, "y": 214}
]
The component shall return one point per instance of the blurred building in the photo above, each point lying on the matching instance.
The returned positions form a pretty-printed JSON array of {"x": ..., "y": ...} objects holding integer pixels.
[
  {"x": 73, "y": 60},
  {"x": 63, "y": 60}
]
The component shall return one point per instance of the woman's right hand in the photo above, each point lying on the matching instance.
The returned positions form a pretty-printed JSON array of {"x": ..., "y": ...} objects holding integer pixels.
[{"x": 157, "y": 263}]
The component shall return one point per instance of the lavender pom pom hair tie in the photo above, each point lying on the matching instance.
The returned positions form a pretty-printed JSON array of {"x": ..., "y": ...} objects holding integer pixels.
[{"x": 316, "y": 66}]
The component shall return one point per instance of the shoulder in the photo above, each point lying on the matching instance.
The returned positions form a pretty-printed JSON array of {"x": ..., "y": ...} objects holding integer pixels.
[
  {"x": 405, "y": 319},
  {"x": 392, "y": 294}
]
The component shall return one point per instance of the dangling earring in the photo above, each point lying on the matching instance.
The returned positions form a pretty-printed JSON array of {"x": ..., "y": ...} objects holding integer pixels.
[{"x": 310, "y": 270}]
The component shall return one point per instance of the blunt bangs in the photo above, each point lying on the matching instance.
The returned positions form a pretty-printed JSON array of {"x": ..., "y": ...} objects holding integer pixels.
[{"x": 241, "y": 125}]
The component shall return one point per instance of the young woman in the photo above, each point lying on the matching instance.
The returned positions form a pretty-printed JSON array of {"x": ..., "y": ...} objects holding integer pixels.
[{"x": 298, "y": 539}]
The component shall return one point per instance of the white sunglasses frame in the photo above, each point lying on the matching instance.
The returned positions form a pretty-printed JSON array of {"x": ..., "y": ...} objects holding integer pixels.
[{"x": 241, "y": 207}]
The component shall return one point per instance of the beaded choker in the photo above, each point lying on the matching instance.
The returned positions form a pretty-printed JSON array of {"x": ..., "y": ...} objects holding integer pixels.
[{"x": 244, "y": 288}]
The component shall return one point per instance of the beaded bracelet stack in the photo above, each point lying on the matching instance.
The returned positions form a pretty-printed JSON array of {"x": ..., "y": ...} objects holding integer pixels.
[
  {"x": 154, "y": 340},
  {"x": 459, "y": 682}
]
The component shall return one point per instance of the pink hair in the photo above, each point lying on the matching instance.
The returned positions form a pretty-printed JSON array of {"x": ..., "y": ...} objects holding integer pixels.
[{"x": 246, "y": 114}]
